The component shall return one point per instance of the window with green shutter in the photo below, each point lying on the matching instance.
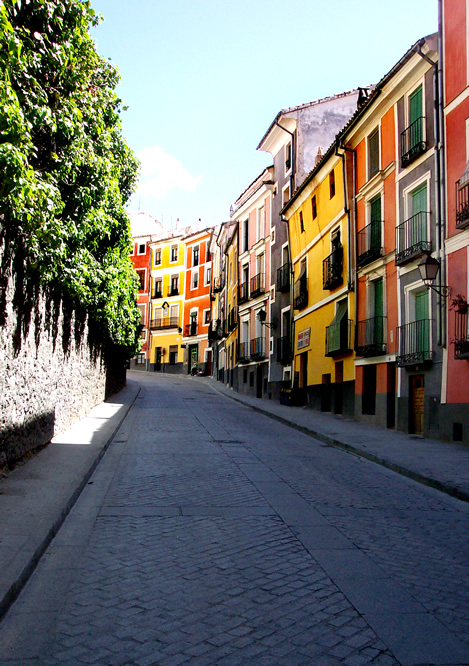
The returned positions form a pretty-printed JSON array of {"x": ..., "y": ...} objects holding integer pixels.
[{"x": 373, "y": 153}]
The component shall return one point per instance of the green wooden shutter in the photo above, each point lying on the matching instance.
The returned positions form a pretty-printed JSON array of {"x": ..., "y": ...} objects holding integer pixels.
[
  {"x": 415, "y": 105},
  {"x": 418, "y": 231},
  {"x": 422, "y": 331},
  {"x": 378, "y": 322},
  {"x": 375, "y": 235}
]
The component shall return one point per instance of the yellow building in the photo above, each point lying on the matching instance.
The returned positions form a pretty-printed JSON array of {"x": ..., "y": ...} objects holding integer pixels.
[
  {"x": 167, "y": 302},
  {"x": 323, "y": 298}
]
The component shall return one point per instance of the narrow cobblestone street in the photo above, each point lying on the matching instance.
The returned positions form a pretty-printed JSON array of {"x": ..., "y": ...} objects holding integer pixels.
[{"x": 211, "y": 534}]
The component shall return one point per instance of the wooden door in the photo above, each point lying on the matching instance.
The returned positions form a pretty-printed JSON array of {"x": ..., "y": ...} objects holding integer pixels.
[{"x": 417, "y": 404}]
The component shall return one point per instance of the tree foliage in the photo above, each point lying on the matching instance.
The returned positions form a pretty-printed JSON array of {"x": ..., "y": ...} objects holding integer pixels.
[{"x": 67, "y": 171}]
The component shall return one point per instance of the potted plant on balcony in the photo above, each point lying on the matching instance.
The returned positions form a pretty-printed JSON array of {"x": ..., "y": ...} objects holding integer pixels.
[{"x": 458, "y": 303}]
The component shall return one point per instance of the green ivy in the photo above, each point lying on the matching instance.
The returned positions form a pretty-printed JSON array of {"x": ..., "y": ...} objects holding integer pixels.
[{"x": 67, "y": 172}]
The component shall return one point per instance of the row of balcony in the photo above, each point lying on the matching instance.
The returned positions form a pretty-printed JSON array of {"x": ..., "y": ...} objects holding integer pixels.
[
  {"x": 254, "y": 350},
  {"x": 157, "y": 293}
]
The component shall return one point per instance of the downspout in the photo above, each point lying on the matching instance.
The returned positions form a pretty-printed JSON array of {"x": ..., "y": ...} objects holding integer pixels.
[
  {"x": 439, "y": 189},
  {"x": 351, "y": 220},
  {"x": 292, "y": 188},
  {"x": 293, "y": 156}
]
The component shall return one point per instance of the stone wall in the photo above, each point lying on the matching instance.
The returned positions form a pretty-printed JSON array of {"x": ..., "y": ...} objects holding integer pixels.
[{"x": 53, "y": 366}]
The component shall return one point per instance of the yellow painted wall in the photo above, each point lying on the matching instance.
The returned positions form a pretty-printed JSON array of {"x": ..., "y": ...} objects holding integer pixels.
[{"x": 315, "y": 243}]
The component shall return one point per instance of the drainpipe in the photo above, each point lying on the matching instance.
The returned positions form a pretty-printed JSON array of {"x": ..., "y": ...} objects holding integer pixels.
[
  {"x": 293, "y": 156},
  {"x": 351, "y": 218},
  {"x": 440, "y": 181}
]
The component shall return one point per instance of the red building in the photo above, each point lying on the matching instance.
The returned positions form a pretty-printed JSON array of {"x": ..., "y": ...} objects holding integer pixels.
[
  {"x": 454, "y": 23},
  {"x": 197, "y": 301}
]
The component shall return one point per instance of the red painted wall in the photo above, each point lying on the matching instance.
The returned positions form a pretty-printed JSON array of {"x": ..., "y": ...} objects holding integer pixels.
[{"x": 454, "y": 17}]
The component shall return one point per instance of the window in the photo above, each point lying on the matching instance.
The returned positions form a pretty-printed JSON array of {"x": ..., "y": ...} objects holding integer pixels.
[
  {"x": 142, "y": 313},
  {"x": 260, "y": 222},
  {"x": 195, "y": 255},
  {"x": 245, "y": 235},
  {"x": 208, "y": 274},
  {"x": 173, "y": 354},
  {"x": 174, "y": 253},
  {"x": 158, "y": 256},
  {"x": 373, "y": 153},
  {"x": 174, "y": 313},
  {"x": 140, "y": 359},
  {"x": 287, "y": 157},
  {"x": 206, "y": 316},
  {"x": 142, "y": 248},
  {"x": 314, "y": 208},
  {"x": 331, "y": 184},
  {"x": 302, "y": 226},
  {"x": 285, "y": 195},
  {"x": 413, "y": 141},
  {"x": 174, "y": 285},
  {"x": 208, "y": 254},
  {"x": 195, "y": 279},
  {"x": 158, "y": 290},
  {"x": 141, "y": 279}
]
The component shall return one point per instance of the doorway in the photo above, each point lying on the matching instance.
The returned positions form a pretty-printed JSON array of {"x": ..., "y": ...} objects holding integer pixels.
[
  {"x": 193, "y": 359},
  {"x": 158, "y": 359},
  {"x": 259, "y": 381},
  {"x": 417, "y": 404}
]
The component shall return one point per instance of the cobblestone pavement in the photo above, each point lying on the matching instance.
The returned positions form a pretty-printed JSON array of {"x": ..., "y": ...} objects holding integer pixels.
[{"x": 210, "y": 534}]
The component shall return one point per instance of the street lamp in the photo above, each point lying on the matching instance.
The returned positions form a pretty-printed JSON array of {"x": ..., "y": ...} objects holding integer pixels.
[
  {"x": 429, "y": 267},
  {"x": 262, "y": 315}
]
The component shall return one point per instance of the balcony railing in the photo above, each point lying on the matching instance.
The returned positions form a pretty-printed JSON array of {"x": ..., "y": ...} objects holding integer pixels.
[
  {"x": 243, "y": 292},
  {"x": 412, "y": 237},
  {"x": 257, "y": 285},
  {"x": 218, "y": 284},
  {"x": 257, "y": 348},
  {"x": 243, "y": 352},
  {"x": 284, "y": 350},
  {"x": 461, "y": 336},
  {"x": 414, "y": 343},
  {"x": 190, "y": 329},
  {"x": 283, "y": 277},
  {"x": 369, "y": 243},
  {"x": 157, "y": 293},
  {"x": 165, "y": 322},
  {"x": 339, "y": 337},
  {"x": 332, "y": 269},
  {"x": 173, "y": 291},
  {"x": 412, "y": 142},
  {"x": 371, "y": 336},
  {"x": 232, "y": 321},
  {"x": 462, "y": 205}
]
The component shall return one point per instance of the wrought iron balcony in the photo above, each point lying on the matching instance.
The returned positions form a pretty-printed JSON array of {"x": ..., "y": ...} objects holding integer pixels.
[
  {"x": 462, "y": 206},
  {"x": 339, "y": 338},
  {"x": 232, "y": 321},
  {"x": 257, "y": 285},
  {"x": 332, "y": 269},
  {"x": 257, "y": 348},
  {"x": 412, "y": 237},
  {"x": 243, "y": 292},
  {"x": 190, "y": 329},
  {"x": 218, "y": 284},
  {"x": 173, "y": 291},
  {"x": 461, "y": 336},
  {"x": 243, "y": 352},
  {"x": 371, "y": 336},
  {"x": 157, "y": 293},
  {"x": 283, "y": 277},
  {"x": 165, "y": 322},
  {"x": 284, "y": 350},
  {"x": 413, "y": 343},
  {"x": 369, "y": 243},
  {"x": 412, "y": 142}
]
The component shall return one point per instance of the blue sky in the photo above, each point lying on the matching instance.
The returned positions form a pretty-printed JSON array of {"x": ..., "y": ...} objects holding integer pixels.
[{"x": 203, "y": 80}]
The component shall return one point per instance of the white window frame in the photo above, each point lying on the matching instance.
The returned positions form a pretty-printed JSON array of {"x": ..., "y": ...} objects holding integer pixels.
[
  {"x": 204, "y": 315},
  {"x": 286, "y": 188},
  {"x": 138, "y": 249},
  {"x": 288, "y": 148},
  {"x": 171, "y": 260},
  {"x": 160, "y": 250},
  {"x": 195, "y": 276}
]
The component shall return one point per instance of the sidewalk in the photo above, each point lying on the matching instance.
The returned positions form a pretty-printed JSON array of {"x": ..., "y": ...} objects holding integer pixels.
[
  {"x": 441, "y": 465},
  {"x": 36, "y": 497}
]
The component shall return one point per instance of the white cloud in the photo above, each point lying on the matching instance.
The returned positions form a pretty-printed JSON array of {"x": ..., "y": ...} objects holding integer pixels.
[{"x": 160, "y": 173}]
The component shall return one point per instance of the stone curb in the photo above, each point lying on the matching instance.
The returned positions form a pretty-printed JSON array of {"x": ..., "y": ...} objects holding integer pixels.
[
  {"x": 25, "y": 571},
  {"x": 331, "y": 441}
]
